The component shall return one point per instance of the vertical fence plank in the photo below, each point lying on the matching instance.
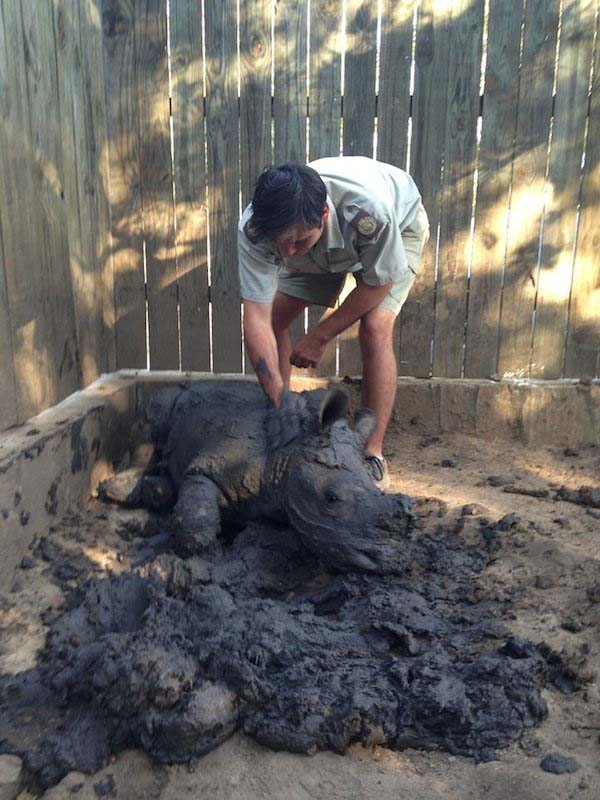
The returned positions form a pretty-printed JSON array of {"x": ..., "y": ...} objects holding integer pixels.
[
  {"x": 359, "y": 89},
  {"x": 126, "y": 248},
  {"x": 359, "y": 125},
  {"x": 460, "y": 151},
  {"x": 255, "y": 98},
  {"x": 24, "y": 270},
  {"x": 190, "y": 183},
  {"x": 427, "y": 146},
  {"x": 223, "y": 181},
  {"x": 289, "y": 101},
  {"x": 325, "y": 76},
  {"x": 9, "y": 414},
  {"x": 97, "y": 175},
  {"x": 325, "y": 111},
  {"x": 158, "y": 222},
  {"x": 77, "y": 141},
  {"x": 583, "y": 339},
  {"x": 564, "y": 172},
  {"x": 44, "y": 121},
  {"x": 527, "y": 198},
  {"x": 493, "y": 189},
  {"x": 393, "y": 101}
]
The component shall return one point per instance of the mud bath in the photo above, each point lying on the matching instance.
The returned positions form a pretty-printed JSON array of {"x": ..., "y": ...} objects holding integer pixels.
[{"x": 172, "y": 655}]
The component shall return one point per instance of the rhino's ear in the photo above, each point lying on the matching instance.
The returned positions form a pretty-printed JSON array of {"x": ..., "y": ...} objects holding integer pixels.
[
  {"x": 335, "y": 405},
  {"x": 364, "y": 423}
]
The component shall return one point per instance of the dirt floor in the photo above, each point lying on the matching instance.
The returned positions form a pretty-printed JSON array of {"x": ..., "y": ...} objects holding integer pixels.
[{"x": 549, "y": 565}]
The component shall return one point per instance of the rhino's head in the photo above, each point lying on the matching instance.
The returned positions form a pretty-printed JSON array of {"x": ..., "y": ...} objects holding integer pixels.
[{"x": 328, "y": 494}]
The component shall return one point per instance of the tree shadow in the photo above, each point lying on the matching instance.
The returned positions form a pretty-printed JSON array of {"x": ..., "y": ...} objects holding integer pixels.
[{"x": 132, "y": 225}]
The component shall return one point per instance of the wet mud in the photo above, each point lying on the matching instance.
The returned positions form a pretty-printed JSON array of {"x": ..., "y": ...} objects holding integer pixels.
[{"x": 174, "y": 654}]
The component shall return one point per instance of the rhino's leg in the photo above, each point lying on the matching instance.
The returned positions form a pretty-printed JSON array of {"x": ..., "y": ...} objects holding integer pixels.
[{"x": 196, "y": 515}]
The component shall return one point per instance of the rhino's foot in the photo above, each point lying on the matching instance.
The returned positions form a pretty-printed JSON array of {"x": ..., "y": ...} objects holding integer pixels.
[
  {"x": 123, "y": 487},
  {"x": 196, "y": 516}
]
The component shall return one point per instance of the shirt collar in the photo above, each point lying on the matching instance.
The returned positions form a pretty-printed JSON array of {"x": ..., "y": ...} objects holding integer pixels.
[{"x": 332, "y": 235}]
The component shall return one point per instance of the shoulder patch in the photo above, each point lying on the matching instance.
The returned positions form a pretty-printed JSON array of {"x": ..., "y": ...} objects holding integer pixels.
[
  {"x": 250, "y": 232},
  {"x": 366, "y": 225}
]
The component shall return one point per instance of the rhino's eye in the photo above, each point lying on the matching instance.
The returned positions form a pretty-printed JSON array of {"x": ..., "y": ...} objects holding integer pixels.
[{"x": 331, "y": 496}]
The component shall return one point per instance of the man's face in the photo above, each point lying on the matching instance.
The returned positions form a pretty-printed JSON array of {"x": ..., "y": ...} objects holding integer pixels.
[{"x": 298, "y": 241}]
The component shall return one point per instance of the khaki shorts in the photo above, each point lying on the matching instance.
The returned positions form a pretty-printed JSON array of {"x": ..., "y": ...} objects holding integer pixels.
[{"x": 324, "y": 290}]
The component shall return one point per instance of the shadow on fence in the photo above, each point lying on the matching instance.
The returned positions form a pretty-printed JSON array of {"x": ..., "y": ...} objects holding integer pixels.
[{"x": 132, "y": 161}]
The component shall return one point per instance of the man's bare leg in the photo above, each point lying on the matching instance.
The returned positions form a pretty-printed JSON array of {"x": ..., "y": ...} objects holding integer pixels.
[
  {"x": 285, "y": 310},
  {"x": 380, "y": 372}
]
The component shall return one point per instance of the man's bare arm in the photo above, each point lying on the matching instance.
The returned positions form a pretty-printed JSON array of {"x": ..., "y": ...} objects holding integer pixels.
[
  {"x": 360, "y": 301},
  {"x": 262, "y": 348}
]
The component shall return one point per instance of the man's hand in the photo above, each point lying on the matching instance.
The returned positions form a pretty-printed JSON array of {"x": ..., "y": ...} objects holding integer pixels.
[{"x": 308, "y": 350}]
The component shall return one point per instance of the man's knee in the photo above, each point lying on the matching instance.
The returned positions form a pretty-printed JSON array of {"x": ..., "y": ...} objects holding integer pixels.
[
  {"x": 285, "y": 310},
  {"x": 377, "y": 328}
]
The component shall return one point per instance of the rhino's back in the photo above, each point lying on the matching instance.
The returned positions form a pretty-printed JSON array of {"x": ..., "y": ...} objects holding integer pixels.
[{"x": 218, "y": 429}]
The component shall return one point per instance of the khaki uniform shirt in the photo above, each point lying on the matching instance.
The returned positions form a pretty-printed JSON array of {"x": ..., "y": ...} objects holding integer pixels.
[{"x": 370, "y": 204}]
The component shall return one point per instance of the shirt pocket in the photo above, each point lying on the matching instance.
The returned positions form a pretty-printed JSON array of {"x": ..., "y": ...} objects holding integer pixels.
[{"x": 340, "y": 260}]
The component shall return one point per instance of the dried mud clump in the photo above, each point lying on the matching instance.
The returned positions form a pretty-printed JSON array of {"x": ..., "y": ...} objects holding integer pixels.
[{"x": 173, "y": 655}]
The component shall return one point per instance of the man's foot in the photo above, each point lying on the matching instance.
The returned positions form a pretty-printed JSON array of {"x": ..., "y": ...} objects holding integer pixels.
[{"x": 379, "y": 471}]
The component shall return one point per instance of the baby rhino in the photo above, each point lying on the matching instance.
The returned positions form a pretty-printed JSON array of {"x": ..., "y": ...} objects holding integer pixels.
[{"x": 231, "y": 456}]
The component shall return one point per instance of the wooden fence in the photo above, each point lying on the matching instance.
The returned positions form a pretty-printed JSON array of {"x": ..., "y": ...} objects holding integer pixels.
[{"x": 131, "y": 132}]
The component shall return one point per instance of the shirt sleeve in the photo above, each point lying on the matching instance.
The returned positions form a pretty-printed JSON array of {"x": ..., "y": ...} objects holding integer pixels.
[
  {"x": 383, "y": 258},
  {"x": 258, "y": 269}
]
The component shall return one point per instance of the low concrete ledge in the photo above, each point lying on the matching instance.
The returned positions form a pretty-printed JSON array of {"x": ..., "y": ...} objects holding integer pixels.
[
  {"x": 538, "y": 413},
  {"x": 49, "y": 465}
]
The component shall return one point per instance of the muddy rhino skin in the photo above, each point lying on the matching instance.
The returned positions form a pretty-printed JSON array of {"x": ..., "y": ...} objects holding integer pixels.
[{"x": 232, "y": 457}]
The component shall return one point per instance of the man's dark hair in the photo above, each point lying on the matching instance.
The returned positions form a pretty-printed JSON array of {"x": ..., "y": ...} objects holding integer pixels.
[{"x": 285, "y": 197}]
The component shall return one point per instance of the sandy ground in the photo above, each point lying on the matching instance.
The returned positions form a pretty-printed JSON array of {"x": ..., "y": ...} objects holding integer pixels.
[{"x": 549, "y": 561}]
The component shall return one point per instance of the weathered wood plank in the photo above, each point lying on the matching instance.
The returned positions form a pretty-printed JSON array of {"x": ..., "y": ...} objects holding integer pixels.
[
  {"x": 359, "y": 123},
  {"x": 289, "y": 100},
  {"x": 256, "y": 147},
  {"x": 564, "y": 173},
  {"x": 190, "y": 183},
  {"x": 493, "y": 189},
  {"x": 126, "y": 243},
  {"x": 44, "y": 121},
  {"x": 223, "y": 182},
  {"x": 359, "y": 79},
  {"x": 75, "y": 135},
  {"x": 460, "y": 152},
  {"x": 24, "y": 270},
  {"x": 393, "y": 102},
  {"x": 158, "y": 218},
  {"x": 527, "y": 198},
  {"x": 8, "y": 399},
  {"x": 583, "y": 339},
  {"x": 427, "y": 147},
  {"x": 325, "y": 78},
  {"x": 255, "y": 96},
  {"x": 97, "y": 171},
  {"x": 325, "y": 111}
]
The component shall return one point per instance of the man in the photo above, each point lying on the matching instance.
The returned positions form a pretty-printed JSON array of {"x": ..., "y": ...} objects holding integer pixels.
[{"x": 306, "y": 228}]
